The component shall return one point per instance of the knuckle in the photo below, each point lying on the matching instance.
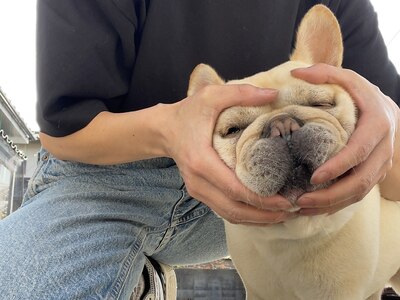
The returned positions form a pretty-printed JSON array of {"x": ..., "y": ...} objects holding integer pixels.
[
  {"x": 232, "y": 221},
  {"x": 364, "y": 184},
  {"x": 245, "y": 90},
  {"x": 232, "y": 191},
  {"x": 330, "y": 200},
  {"x": 323, "y": 67},
  {"x": 208, "y": 91},
  {"x": 278, "y": 217},
  {"x": 232, "y": 216},
  {"x": 363, "y": 152},
  {"x": 375, "y": 88}
]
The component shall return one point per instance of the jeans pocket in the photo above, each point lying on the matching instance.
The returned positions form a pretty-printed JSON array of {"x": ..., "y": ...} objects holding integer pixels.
[{"x": 36, "y": 179}]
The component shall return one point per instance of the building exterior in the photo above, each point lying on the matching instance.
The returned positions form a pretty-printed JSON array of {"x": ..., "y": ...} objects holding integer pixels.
[{"x": 17, "y": 161}]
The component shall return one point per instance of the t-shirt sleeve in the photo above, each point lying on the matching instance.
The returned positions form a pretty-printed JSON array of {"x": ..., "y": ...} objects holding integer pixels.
[
  {"x": 364, "y": 48},
  {"x": 85, "y": 54}
]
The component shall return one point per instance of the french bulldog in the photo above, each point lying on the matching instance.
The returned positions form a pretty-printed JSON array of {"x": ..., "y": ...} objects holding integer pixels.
[{"x": 349, "y": 255}]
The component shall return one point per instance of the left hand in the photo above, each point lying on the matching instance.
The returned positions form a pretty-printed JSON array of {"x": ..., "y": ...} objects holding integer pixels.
[{"x": 369, "y": 152}]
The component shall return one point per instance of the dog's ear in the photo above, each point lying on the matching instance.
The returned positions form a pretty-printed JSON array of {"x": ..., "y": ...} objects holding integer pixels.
[
  {"x": 319, "y": 39},
  {"x": 202, "y": 76}
]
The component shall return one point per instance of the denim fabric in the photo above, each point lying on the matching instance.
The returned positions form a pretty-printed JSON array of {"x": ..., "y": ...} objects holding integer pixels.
[{"x": 84, "y": 230}]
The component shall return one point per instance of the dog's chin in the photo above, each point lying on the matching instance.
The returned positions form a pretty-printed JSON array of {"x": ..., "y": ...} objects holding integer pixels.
[
  {"x": 291, "y": 188},
  {"x": 293, "y": 193}
]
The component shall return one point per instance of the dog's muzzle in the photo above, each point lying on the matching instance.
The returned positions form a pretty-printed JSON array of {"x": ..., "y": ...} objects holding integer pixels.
[{"x": 285, "y": 156}]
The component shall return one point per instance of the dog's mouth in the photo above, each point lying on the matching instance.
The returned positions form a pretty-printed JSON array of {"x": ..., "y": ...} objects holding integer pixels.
[
  {"x": 298, "y": 182},
  {"x": 284, "y": 164}
]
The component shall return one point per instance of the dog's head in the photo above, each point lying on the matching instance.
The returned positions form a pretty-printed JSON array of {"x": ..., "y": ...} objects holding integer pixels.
[{"x": 274, "y": 149}]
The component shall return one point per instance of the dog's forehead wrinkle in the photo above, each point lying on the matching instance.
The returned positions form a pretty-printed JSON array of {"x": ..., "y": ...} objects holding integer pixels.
[{"x": 305, "y": 94}]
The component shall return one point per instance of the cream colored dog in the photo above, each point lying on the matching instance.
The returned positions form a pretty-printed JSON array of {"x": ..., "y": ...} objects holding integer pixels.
[{"x": 274, "y": 149}]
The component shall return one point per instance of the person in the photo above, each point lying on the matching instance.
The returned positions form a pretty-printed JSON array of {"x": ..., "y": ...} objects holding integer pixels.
[{"x": 127, "y": 173}]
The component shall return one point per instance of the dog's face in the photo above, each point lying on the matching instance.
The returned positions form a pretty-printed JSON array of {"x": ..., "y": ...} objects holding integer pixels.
[{"x": 274, "y": 149}]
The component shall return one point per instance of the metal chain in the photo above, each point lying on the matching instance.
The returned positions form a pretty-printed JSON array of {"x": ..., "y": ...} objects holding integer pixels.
[{"x": 12, "y": 145}]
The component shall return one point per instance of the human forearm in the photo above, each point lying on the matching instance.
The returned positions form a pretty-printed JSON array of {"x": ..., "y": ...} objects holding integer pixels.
[
  {"x": 112, "y": 138},
  {"x": 182, "y": 131}
]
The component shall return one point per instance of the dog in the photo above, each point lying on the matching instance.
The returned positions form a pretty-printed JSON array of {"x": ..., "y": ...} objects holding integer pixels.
[{"x": 274, "y": 149}]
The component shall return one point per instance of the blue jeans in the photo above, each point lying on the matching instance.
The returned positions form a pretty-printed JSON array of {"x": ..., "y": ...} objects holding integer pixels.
[{"x": 83, "y": 231}]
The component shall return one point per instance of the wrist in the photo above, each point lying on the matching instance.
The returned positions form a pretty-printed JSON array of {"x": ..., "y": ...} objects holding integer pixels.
[{"x": 164, "y": 131}]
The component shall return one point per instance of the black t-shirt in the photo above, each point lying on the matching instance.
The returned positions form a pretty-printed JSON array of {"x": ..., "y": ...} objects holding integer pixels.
[{"x": 123, "y": 55}]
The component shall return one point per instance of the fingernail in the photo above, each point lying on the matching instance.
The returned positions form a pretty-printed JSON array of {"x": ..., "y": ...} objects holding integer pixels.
[{"x": 320, "y": 177}]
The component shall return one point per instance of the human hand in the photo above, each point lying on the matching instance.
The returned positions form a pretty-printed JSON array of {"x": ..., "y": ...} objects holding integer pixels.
[
  {"x": 369, "y": 152},
  {"x": 207, "y": 178}
]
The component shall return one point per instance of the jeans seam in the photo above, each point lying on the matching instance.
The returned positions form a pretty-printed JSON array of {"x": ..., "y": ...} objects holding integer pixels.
[
  {"x": 127, "y": 266},
  {"x": 32, "y": 189},
  {"x": 192, "y": 216}
]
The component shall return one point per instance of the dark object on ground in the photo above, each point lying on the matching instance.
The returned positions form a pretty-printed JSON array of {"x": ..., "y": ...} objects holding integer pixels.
[{"x": 389, "y": 294}]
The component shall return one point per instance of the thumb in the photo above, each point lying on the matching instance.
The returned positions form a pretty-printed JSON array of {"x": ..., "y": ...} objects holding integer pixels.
[
  {"x": 317, "y": 74},
  {"x": 245, "y": 95}
]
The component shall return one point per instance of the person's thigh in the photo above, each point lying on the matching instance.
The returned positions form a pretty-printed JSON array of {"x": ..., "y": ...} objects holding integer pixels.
[
  {"x": 196, "y": 235},
  {"x": 83, "y": 230}
]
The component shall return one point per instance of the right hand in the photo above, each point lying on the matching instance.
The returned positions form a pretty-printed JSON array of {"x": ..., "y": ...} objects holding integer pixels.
[{"x": 207, "y": 178}]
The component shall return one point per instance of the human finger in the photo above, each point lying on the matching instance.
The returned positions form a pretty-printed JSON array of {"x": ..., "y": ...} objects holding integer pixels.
[
  {"x": 358, "y": 149},
  {"x": 372, "y": 105},
  {"x": 214, "y": 171},
  {"x": 352, "y": 187},
  {"x": 223, "y": 96},
  {"x": 323, "y": 73},
  {"x": 227, "y": 203}
]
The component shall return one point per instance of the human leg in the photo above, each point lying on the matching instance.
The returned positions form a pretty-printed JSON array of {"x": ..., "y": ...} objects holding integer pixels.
[{"x": 84, "y": 231}]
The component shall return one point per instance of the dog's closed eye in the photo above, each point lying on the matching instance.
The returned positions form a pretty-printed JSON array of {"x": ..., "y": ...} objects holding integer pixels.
[
  {"x": 322, "y": 104},
  {"x": 232, "y": 131}
]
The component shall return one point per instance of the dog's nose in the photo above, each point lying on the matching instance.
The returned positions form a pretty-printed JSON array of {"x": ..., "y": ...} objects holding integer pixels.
[{"x": 281, "y": 125}]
